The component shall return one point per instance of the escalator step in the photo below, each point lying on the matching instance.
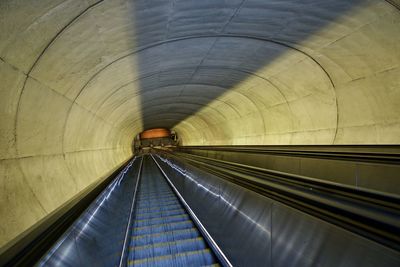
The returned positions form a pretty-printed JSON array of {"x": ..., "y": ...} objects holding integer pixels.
[
  {"x": 144, "y": 204},
  {"x": 168, "y": 248},
  {"x": 159, "y": 208},
  {"x": 157, "y": 198},
  {"x": 161, "y": 220},
  {"x": 155, "y": 195},
  {"x": 158, "y": 228},
  {"x": 192, "y": 258},
  {"x": 149, "y": 215},
  {"x": 168, "y": 236},
  {"x": 160, "y": 191}
]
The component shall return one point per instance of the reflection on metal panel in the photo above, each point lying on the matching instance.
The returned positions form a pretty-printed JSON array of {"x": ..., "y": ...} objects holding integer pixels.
[
  {"x": 253, "y": 230},
  {"x": 237, "y": 219},
  {"x": 302, "y": 240},
  {"x": 97, "y": 237}
]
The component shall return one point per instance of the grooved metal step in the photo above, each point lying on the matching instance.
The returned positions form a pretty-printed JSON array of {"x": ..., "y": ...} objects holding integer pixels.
[
  {"x": 160, "y": 220},
  {"x": 150, "y": 229},
  {"x": 141, "y": 240},
  {"x": 156, "y": 203},
  {"x": 168, "y": 248},
  {"x": 163, "y": 233},
  {"x": 192, "y": 258},
  {"x": 149, "y": 215},
  {"x": 159, "y": 206}
]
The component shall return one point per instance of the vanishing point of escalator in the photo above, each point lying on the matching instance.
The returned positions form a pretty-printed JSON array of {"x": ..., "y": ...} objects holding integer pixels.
[{"x": 163, "y": 233}]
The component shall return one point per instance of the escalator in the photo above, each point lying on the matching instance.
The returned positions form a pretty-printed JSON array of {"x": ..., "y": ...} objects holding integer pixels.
[
  {"x": 169, "y": 209},
  {"x": 163, "y": 233}
]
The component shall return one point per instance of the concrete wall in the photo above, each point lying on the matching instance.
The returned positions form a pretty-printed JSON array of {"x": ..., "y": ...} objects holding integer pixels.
[{"x": 80, "y": 78}]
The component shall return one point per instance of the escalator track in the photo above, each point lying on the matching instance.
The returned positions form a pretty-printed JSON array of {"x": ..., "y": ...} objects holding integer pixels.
[{"x": 162, "y": 232}]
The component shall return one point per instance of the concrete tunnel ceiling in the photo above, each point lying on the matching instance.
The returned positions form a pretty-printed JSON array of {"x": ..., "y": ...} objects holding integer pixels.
[{"x": 80, "y": 78}]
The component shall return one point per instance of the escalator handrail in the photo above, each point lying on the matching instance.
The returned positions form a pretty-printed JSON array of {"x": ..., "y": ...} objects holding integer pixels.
[
  {"x": 364, "y": 194},
  {"x": 386, "y": 154},
  {"x": 128, "y": 226}
]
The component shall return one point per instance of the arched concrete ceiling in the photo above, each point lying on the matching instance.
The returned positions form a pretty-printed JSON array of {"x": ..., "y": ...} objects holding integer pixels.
[{"x": 80, "y": 78}]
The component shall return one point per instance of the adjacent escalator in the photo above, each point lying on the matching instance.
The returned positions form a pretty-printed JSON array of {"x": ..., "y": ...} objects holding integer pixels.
[{"x": 163, "y": 233}]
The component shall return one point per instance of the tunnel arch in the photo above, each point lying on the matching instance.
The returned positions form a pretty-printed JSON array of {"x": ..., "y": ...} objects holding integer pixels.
[{"x": 319, "y": 72}]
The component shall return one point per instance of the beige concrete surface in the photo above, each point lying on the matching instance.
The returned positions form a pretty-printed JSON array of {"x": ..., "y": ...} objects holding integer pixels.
[{"x": 78, "y": 79}]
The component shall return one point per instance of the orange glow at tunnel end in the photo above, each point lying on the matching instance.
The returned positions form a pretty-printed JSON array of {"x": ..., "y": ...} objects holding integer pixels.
[{"x": 155, "y": 133}]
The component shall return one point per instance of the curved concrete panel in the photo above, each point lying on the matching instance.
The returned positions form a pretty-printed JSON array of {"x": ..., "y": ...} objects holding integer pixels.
[{"x": 79, "y": 79}]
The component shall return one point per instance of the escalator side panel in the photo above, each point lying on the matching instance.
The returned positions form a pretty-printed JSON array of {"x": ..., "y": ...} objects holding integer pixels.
[
  {"x": 253, "y": 230},
  {"x": 218, "y": 205},
  {"x": 300, "y": 239},
  {"x": 96, "y": 238}
]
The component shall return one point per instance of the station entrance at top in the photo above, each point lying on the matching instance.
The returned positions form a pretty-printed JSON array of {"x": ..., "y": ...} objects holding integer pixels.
[{"x": 157, "y": 137}]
